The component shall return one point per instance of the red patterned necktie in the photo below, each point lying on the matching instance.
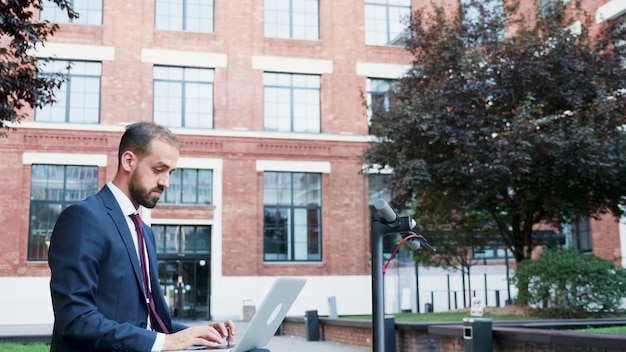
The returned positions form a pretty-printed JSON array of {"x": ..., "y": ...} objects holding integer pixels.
[{"x": 154, "y": 316}]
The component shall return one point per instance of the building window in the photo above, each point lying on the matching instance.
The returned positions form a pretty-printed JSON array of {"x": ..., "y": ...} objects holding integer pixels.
[
  {"x": 386, "y": 21},
  {"x": 472, "y": 17},
  {"x": 89, "y": 12},
  {"x": 581, "y": 235},
  {"x": 184, "y": 15},
  {"x": 183, "y": 97},
  {"x": 377, "y": 97},
  {"x": 190, "y": 186},
  {"x": 292, "y": 216},
  {"x": 182, "y": 239},
  {"x": 547, "y": 5},
  {"x": 291, "y": 19},
  {"x": 292, "y": 102},
  {"x": 494, "y": 251},
  {"x": 54, "y": 188},
  {"x": 78, "y": 99}
]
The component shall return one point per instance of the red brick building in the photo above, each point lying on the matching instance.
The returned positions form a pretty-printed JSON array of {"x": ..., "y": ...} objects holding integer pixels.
[{"x": 267, "y": 98}]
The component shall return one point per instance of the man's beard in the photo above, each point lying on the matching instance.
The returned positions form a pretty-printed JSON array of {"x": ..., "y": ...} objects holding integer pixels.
[{"x": 140, "y": 194}]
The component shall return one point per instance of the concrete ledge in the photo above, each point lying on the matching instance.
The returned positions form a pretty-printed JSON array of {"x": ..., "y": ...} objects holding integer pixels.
[
  {"x": 527, "y": 335},
  {"x": 47, "y": 339},
  {"x": 26, "y": 333}
]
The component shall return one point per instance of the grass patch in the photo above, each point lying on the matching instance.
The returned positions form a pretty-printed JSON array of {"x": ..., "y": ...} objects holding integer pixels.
[
  {"x": 611, "y": 330},
  {"x": 17, "y": 347}
]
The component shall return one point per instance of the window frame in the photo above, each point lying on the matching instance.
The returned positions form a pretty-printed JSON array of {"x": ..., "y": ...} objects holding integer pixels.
[
  {"x": 197, "y": 190},
  {"x": 185, "y": 18},
  {"x": 295, "y": 94},
  {"x": 273, "y": 26},
  {"x": 61, "y": 202},
  {"x": 371, "y": 35},
  {"x": 293, "y": 246},
  {"x": 185, "y": 83},
  {"x": 71, "y": 95},
  {"x": 380, "y": 94},
  {"x": 165, "y": 239},
  {"x": 85, "y": 14}
]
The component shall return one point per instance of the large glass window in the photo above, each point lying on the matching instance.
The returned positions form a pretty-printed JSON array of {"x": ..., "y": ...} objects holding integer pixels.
[
  {"x": 189, "y": 186},
  {"x": 54, "y": 188},
  {"x": 292, "y": 216},
  {"x": 581, "y": 235},
  {"x": 184, "y": 15},
  {"x": 493, "y": 251},
  {"x": 386, "y": 21},
  {"x": 472, "y": 15},
  {"x": 181, "y": 239},
  {"x": 377, "y": 96},
  {"x": 89, "y": 12},
  {"x": 547, "y": 5},
  {"x": 78, "y": 99},
  {"x": 183, "y": 97},
  {"x": 292, "y": 102},
  {"x": 291, "y": 19}
]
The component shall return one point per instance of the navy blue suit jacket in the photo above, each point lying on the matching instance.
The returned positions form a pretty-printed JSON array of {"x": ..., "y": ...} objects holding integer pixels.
[{"x": 96, "y": 284}]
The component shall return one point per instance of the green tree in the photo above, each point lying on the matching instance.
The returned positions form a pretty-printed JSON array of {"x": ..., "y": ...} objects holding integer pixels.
[
  {"x": 21, "y": 85},
  {"x": 510, "y": 115}
]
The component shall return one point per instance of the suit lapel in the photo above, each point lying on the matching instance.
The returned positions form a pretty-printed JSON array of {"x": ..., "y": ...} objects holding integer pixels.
[{"x": 115, "y": 213}]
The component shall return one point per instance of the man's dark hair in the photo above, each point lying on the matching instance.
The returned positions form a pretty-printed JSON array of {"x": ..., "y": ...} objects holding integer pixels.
[{"x": 139, "y": 136}]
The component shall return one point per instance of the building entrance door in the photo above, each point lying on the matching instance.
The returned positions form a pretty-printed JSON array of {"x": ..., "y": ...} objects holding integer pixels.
[
  {"x": 184, "y": 256},
  {"x": 185, "y": 283}
]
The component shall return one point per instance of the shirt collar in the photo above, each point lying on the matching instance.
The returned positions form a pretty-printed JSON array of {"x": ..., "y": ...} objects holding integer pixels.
[{"x": 122, "y": 200}]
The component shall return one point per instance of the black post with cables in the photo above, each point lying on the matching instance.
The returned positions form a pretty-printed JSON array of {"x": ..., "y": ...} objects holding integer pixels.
[{"x": 389, "y": 223}]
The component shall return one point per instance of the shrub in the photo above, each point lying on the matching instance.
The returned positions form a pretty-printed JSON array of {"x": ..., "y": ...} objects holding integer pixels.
[{"x": 569, "y": 284}]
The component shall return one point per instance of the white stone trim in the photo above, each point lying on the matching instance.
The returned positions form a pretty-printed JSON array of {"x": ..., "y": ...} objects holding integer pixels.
[
  {"x": 377, "y": 169},
  {"x": 380, "y": 70},
  {"x": 292, "y": 65},
  {"x": 29, "y": 158},
  {"x": 184, "y": 58},
  {"x": 610, "y": 10},
  {"x": 199, "y": 163},
  {"x": 186, "y": 222},
  {"x": 75, "y": 52},
  {"x": 293, "y": 166}
]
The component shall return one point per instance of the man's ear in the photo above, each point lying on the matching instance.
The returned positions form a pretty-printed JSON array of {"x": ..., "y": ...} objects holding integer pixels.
[{"x": 129, "y": 160}]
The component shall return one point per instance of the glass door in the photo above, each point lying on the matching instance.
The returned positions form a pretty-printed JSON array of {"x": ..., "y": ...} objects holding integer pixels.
[{"x": 185, "y": 283}]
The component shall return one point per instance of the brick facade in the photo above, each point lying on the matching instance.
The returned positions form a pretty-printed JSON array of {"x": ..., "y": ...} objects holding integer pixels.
[{"x": 237, "y": 140}]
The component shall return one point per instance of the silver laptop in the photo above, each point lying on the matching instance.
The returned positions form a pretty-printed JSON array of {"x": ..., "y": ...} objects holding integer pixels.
[{"x": 267, "y": 318}]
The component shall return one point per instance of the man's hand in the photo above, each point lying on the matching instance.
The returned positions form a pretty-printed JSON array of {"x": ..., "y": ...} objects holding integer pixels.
[{"x": 212, "y": 335}]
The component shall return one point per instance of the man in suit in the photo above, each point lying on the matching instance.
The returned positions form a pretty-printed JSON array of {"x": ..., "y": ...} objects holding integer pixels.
[{"x": 97, "y": 288}]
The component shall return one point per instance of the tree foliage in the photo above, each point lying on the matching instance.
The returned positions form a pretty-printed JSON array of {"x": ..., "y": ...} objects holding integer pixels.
[
  {"x": 569, "y": 284},
  {"x": 517, "y": 116},
  {"x": 21, "y": 85}
]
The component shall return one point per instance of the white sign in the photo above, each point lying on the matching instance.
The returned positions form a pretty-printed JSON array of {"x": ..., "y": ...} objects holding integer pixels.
[{"x": 477, "y": 308}]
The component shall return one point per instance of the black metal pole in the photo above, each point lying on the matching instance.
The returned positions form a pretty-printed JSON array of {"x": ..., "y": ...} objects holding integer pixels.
[
  {"x": 508, "y": 283},
  {"x": 417, "y": 286},
  {"x": 378, "y": 297},
  {"x": 390, "y": 223}
]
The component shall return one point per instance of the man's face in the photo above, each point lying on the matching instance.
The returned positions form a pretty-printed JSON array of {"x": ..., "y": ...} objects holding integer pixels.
[{"x": 152, "y": 174}]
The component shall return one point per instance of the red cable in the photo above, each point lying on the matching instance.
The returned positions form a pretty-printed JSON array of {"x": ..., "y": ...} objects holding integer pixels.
[{"x": 393, "y": 254}]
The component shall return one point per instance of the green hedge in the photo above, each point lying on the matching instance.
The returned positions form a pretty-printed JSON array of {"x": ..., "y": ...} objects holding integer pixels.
[{"x": 568, "y": 284}]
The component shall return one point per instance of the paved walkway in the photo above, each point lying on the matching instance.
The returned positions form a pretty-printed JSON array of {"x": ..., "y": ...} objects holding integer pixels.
[{"x": 281, "y": 343}]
